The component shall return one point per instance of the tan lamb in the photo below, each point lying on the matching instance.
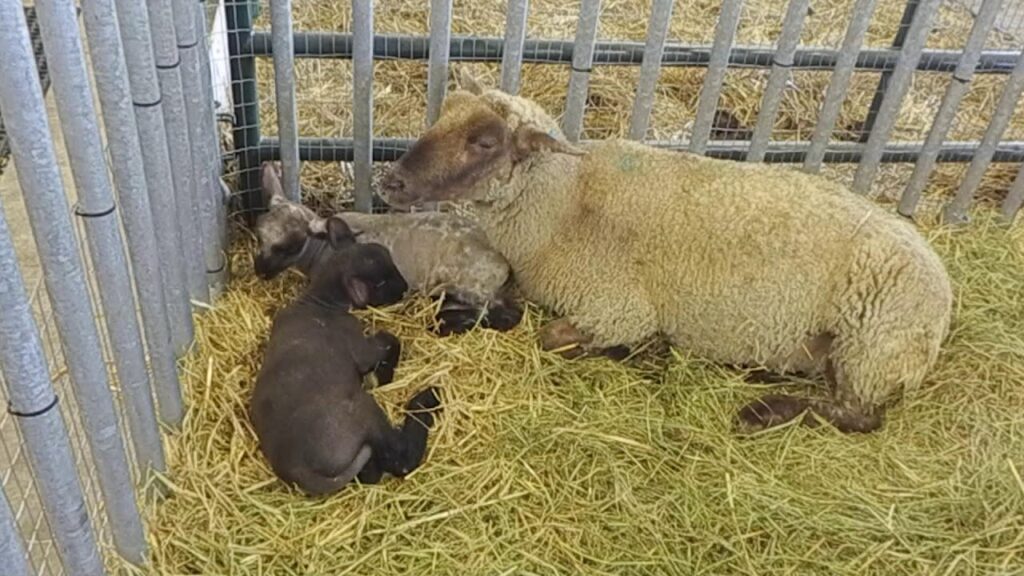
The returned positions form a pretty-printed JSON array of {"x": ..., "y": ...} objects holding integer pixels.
[{"x": 746, "y": 264}]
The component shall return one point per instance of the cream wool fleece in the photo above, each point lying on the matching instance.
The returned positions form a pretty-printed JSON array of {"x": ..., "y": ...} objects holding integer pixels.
[{"x": 748, "y": 264}]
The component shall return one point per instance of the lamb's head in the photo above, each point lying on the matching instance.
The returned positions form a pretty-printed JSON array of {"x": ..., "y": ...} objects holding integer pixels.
[
  {"x": 365, "y": 272},
  {"x": 480, "y": 136},
  {"x": 283, "y": 231}
]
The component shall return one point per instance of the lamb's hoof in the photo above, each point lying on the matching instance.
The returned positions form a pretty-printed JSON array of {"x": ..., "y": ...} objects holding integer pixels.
[
  {"x": 503, "y": 317},
  {"x": 421, "y": 406},
  {"x": 765, "y": 377},
  {"x": 617, "y": 353},
  {"x": 770, "y": 411},
  {"x": 425, "y": 400},
  {"x": 455, "y": 322}
]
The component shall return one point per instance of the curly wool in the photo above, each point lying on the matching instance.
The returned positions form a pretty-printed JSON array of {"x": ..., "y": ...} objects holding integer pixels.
[{"x": 748, "y": 264}]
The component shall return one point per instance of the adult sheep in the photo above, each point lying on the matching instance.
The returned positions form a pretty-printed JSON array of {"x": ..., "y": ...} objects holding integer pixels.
[{"x": 745, "y": 264}]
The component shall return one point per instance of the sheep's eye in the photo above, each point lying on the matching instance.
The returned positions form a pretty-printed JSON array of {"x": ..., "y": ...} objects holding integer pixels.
[{"x": 485, "y": 142}]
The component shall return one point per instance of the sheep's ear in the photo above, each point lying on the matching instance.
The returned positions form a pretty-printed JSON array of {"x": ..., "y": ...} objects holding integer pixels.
[
  {"x": 528, "y": 140},
  {"x": 333, "y": 229},
  {"x": 469, "y": 83},
  {"x": 273, "y": 191}
]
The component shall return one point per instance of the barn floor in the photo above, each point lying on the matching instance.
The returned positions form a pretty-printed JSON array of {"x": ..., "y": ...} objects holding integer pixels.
[
  {"x": 544, "y": 466},
  {"x": 540, "y": 465}
]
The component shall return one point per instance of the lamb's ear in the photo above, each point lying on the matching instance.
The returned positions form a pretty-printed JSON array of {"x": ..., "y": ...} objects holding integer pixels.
[
  {"x": 273, "y": 191},
  {"x": 528, "y": 139},
  {"x": 333, "y": 229},
  {"x": 469, "y": 83}
]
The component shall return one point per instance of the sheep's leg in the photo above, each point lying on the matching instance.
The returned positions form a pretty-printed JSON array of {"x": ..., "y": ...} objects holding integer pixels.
[
  {"x": 378, "y": 354},
  {"x": 562, "y": 333},
  {"x": 847, "y": 411},
  {"x": 399, "y": 451}
]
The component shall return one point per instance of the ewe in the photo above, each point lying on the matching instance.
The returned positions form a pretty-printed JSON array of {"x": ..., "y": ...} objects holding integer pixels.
[{"x": 746, "y": 264}]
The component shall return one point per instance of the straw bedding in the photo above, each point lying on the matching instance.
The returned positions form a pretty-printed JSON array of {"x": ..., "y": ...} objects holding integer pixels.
[
  {"x": 540, "y": 465},
  {"x": 544, "y": 466}
]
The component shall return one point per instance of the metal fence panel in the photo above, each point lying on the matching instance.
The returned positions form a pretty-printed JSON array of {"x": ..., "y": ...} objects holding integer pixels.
[
  {"x": 111, "y": 75},
  {"x": 725, "y": 32},
  {"x": 97, "y": 208},
  {"x": 168, "y": 64},
  {"x": 284, "y": 90},
  {"x": 21, "y": 101},
  {"x": 133, "y": 21}
]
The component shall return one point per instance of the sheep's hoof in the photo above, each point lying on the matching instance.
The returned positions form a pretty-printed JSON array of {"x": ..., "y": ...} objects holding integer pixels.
[
  {"x": 770, "y": 411},
  {"x": 559, "y": 334}
]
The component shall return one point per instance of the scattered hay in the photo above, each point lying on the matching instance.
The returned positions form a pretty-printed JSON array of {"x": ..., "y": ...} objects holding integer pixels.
[{"x": 544, "y": 466}]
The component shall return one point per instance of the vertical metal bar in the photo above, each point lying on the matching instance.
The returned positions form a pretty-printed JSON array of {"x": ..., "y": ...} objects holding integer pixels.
[
  {"x": 515, "y": 37},
  {"x": 362, "y": 105},
  {"x": 956, "y": 211},
  {"x": 246, "y": 133},
  {"x": 897, "y": 88},
  {"x": 110, "y": 71},
  {"x": 187, "y": 39},
  {"x": 792, "y": 25},
  {"x": 860, "y": 17},
  {"x": 12, "y": 549},
  {"x": 958, "y": 86},
  {"x": 650, "y": 68},
  {"x": 437, "y": 72},
  {"x": 725, "y": 32},
  {"x": 32, "y": 401},
  {"x": 168, "y": 69},
  {"x": 58, "y": 25},
  {"x": 582, "y": 60},
  {"x": 284, "y": 90},
  {"x": 24, "y": 113},
  {"x": 217, "y": 274},
  {"x": 1015, "y": 197},
  {"x": 133, "y": 21},
  {"x": 909, "y": 12}
]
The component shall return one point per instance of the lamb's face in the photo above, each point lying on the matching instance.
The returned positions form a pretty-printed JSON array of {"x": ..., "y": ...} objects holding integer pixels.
[
  {"x": 281, "y": 234},
  {"x": 282, "y": 231},
  {"x": 469, "y": 146}
]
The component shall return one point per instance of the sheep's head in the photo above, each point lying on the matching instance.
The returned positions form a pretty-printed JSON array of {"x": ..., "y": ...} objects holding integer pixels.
[
  {"x": 478, "y": 138},
  {"x": 282, "y": 231}
]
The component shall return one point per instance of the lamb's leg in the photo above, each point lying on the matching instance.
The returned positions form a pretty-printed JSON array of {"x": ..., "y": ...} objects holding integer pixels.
[
  {"x": 370, "y": 474},
  {"x": 399, "y": 451},
  {"x": 456, "y": 315},
  {"x": 378, "y": 354},
  {"x": 503, "y": 316}
]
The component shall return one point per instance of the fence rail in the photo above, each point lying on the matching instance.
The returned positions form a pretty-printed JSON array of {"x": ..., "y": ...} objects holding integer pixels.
[
  {"x": 338, "y": 45},
  {"x": 897, "y": 64}
]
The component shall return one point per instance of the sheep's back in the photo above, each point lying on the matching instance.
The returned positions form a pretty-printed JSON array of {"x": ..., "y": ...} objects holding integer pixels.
[{"x": 741, "y": 261}]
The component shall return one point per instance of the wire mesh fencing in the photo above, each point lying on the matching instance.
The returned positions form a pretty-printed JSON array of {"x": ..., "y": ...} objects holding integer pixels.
[{"x": 850, "y": 87}]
